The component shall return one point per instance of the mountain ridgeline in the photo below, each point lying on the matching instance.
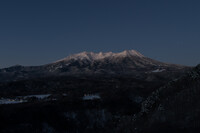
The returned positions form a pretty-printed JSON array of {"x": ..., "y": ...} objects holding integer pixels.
[{"x": 129, "y": 62}]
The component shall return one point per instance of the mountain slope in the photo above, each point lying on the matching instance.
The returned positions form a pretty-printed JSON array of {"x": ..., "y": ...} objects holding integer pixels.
[{"x": 113, "y": 63}]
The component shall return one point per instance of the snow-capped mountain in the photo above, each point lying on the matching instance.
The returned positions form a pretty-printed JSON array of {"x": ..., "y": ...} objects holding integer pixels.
[{"x": 128, "y": 62}]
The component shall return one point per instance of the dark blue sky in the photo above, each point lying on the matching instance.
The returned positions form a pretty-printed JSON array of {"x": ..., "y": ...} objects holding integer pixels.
[{"x": 34, "y": 32}]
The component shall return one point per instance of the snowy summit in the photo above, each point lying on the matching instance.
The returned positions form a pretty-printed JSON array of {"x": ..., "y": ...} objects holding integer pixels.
[{"x": 98, "y": 56}]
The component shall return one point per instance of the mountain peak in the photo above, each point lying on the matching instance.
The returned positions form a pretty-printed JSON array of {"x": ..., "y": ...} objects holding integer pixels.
[
  {"x": 131, "y": 53},
  {"x": 101, "y": 55}
]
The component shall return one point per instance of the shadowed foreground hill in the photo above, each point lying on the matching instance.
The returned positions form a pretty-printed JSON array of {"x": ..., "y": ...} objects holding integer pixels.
[{"x": 172, "y": 108}]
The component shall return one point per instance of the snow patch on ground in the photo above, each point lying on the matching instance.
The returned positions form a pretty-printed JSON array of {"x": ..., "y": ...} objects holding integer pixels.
[
  {"x": 11, "y": 101},
  {"x": 47, "y": 128},
  {"x": 138, "y": 99},
  {"x": 91, "y": 97},
  {"x": 22, "y": 99},
  {"x": 158, "y": 70},
  {"x": 70, "y": 115},
  {"x": 43, "y": 96},
  {"x": 64, "y": 94}
]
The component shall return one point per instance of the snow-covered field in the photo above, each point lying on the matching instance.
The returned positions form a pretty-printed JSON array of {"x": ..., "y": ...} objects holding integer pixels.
[
  {"x": 43, "y": 96},
  {"x": 11, "y": 101},
  {"x": 22, "y": 99}
]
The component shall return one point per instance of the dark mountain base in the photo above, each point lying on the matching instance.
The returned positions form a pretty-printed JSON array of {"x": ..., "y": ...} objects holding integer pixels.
[{"x": 126, "y": 104}]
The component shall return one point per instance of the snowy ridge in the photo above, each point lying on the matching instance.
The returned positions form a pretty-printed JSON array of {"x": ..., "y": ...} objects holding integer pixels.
[{"x": 98, "y": 56}]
